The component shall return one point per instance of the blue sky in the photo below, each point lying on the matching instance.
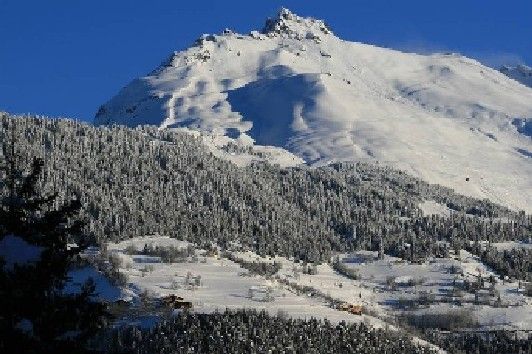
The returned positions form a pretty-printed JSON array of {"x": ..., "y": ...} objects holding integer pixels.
[{"x": 66, "y": 57}]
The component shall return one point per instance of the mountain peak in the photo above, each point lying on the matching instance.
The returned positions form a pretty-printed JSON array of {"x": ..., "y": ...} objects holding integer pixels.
[
  {"x": 288, "y": 24},
  {"x": 445, "y": 118}
]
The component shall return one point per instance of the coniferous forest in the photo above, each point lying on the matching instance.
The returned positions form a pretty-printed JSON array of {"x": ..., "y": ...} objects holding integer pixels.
[
  {"x": 141, "y": 181},
  {"x": 121, "y": 183},
  {"x": 249, "y": 331},
  {"x": 36, "y": 315}
]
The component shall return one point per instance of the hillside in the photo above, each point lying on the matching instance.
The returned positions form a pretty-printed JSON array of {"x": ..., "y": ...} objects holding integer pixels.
[
  {"x": 136, "y": 182},
  {"x": 520, "y": 73},
  {"x": 165, "y": 210},
  {"x": 443, "y": 118}
]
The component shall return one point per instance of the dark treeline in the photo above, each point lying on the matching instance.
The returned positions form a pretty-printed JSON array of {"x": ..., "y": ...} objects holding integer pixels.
[
  {"x": 141, "y": 181},
  {"x": 249, "y": 331},
  {"x": 514, "y": 263},
  {"x": 496, "y": 342},
  {"x": 254, "y": 267},
  {"x": 168, "y": 254},
  {"x": 36, "y": 254}
]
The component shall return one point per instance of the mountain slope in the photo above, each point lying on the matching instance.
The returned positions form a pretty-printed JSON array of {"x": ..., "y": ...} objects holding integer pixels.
[
  {"x": 145, "y": 181},
  {"x": 444, "y": 118},
  {"x": 521, "y": 73}
]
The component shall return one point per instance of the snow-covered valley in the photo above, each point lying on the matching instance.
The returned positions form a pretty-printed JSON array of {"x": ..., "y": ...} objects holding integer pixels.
[{"x": 385, "y": 289}]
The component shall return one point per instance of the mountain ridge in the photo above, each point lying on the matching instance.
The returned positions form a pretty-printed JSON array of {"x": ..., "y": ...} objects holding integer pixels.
[
  {"x": 521, "y": 73},
  {"x": 444, "y": 118}
]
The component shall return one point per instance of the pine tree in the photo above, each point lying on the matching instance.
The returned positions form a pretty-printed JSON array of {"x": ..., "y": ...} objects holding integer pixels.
[{"x": 36, "y": 316}]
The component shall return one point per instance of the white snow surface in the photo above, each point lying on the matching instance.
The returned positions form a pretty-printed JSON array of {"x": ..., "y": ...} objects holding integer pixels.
[
  {"x": 15, "y": 250},
  {"x": 295, "y": 85},
  {"x": 509, "y": 245},
  {"x": 434, "y": 278},
  {"x": 104, "y": 289},
  {"x": 224, "y": 285},
  {"x": 430, "y": 207}
]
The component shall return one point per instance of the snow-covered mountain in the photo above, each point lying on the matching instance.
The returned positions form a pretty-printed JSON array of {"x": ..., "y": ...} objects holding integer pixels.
[
  {"x": 521, "y": 73},
  {"x": 444, "y": 117}
]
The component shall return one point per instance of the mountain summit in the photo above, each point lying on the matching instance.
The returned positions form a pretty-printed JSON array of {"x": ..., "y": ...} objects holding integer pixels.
[
  {"x": 295, "y": 85},
  {"x": 289, "y": 25}
]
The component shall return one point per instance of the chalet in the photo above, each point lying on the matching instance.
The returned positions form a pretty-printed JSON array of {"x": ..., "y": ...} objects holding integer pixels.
[
  {"x": 261, "y": 293},
  {"x": 351, "y": 308},
  {"x": 146, "y": 259},
  {"x": 176, "y": 302}
]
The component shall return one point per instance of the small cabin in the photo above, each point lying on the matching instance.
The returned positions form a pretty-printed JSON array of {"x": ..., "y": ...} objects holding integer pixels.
[
  {"x": 351, "y": 308},
  {"x": 140, "y": 258},
  {"x": 176, "y": 302},
  {"x": 261, "y": 293}
]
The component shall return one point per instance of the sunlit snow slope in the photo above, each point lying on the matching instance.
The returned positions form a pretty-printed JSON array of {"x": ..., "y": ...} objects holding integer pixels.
[{"x": 296, "y": 85}]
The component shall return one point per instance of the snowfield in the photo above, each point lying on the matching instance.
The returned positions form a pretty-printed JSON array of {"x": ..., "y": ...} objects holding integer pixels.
[
  {"x": 396, "y": 280},
  {"x": 430, "y": 207},
  {"x": 14, "y": 250},
  {"x": 104, "y": 289},
  {"x": 444, "y": 118},
  {"x": 380, "y": 288},
  {"x": 224, "y": 284}
]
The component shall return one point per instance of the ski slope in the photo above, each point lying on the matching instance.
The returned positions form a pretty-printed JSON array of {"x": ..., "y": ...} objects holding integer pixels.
[{"x": 295, "y": 85}]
